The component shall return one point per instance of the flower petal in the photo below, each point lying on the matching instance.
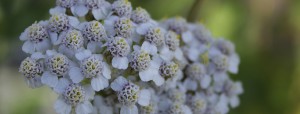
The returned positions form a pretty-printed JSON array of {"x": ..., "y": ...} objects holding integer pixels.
[
  {"x": 75, "y": 75},
  {"x": 73, "y": 21},
  {"x": 234, "y": 101},
  {"x": 23, "y": 35},
  {"x": 98, "y": 83},
  {"x": 34, "y": 82},
  {"x": 61, "y": 85},
  {"x": 84, "y": 108},
  {"x": 143, "y": 28},
  {"x": 120, "y": 62},
  {"x": 51, "y": 52},
  {"x": 150, "y": 48},
  {"x": 94, "y": 46},
  {"x": 144, "y": 97},
  {"x": 61, "y": 107},
  {"x": 187, "y": 37},
  {"x": 234, "y": 62},
  {"x": 205, "y": 81},
  {"x": 129, "y": 110},
  {"x": 147, "y": 75},
  {"x": 89, "y": 92},
  {"x": 83, "y": 55},
  {"x": 28, "y": 47},
  {"x": 190, "y": 84},
  {"x": 42, "y": 46},
  {"x": 81, "y": 10},
  {"x": 158, "y": 80},
  {"x": 118, "y": 83},
  {"x": 98, "y": 14},
  {"x": 49, "y": 79},
  {"x": 106, "y": 70},
  {"x": 37, "y": 55},
  {"x": 57, "y": 10}
]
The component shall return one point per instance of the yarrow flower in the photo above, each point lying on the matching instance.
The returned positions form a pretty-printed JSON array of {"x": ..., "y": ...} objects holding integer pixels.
[
  {"x": 32, "y": 69},
  {"x": 36, "y": 38},
  {"x": 129, "y": 94},
  {"x": 91, "y": 67},
  {"x": 107, "y": 57},
  {"x": 119, "y": 49}
]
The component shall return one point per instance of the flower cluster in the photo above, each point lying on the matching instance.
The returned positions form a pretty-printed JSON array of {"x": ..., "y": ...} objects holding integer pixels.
[{"x": 102, "y": 57}]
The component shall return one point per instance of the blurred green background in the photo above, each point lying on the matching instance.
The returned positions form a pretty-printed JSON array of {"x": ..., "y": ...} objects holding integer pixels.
[{"x": 266, "y": 34}]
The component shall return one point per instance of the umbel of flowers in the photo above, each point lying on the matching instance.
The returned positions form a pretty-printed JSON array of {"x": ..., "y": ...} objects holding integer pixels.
[{"x": 110, "y": 58}]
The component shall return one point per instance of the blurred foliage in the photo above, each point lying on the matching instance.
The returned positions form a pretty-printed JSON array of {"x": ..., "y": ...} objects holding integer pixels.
[{"x": 266, "y": 34}]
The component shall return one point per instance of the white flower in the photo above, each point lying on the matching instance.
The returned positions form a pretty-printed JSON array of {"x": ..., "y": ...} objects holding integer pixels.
[
  {"x": 155, "y": 36},
  {"x": 169, "y": 70},
  {"x": 71, "y": 42},
  {"x": 197, "y": 103},
  {"x": 194, "y": 51},
  {"x": 102, "y": 105},
  {"x": 36, "y": 38},
  {"x": 202, "y": 34},
  {"x": 119, "y": 49},
  {"x": 171, "y": 48},
  {"x": 176, "y": 95},
  {"x": 74, "y": 97},
  {"x": 129, "y": 94},
  {"x": 218, "y": 62},
  {"x": 62, "y": 6},
  {"x": 140, "y": 15},
  {"x": 119, "y": 26},
  {"x": 60, "y": 23},
  {"x": 95, "y": 33},
  {"x": 221, "y": 107},
  {"x": 85, "y": 43},
  {"x": 122, "y": 8},
  {"x": 141, "y": 61},
  {"x": 228, "y": 49},
  {"x": 196, "y": 73},
  {"x": 93, "y": 67},
  {"x": 177, "y": 24},
  {"x": 178, "y": 108},
  {"x": 32, "y": 69},
  {"x": 232, "y": 90},
  {"x": 58, "y": 65},
  {"x": 99, "y": 8},
  {"x": 152, "y": 107}
]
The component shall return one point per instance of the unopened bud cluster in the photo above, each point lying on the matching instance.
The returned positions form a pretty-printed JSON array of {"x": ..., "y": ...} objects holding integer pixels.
[{"x": 105, "y": 57}]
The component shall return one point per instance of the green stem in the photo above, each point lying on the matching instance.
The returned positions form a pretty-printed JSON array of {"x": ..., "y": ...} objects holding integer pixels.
[{"x": 193, "y": 13}]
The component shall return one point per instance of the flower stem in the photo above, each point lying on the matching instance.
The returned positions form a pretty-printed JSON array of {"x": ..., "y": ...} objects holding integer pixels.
[{"x": 193, "y": 13}]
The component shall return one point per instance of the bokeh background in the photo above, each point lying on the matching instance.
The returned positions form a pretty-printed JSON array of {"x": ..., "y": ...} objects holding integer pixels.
[{"x": 266, "y": 34}]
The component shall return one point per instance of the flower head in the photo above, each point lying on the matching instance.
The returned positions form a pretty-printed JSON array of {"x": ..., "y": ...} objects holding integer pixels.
[
  {"x": 73, "y": 39},
  {"x": 74, "y": 94},
  {"x": 94, "y": 31},
  {"x": 168, "y": 69},
  {"x": 66, "y": 3},
  {"x": 58, "y": 64},
  {"x": 92, "y": 66},
  {"x": 59, "y": 23},
  {"x": 172, "y": 40},
  {"x": 178, "y": 25},
  {"x": 122, "y": 8},
  {"x": 155, "y": 36},
  {"x": 140, "y": 15},
  {"x": 140, "y": 60},
  {"x": 123, "y": 27},
  {"x": 31, "y": 68}
]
